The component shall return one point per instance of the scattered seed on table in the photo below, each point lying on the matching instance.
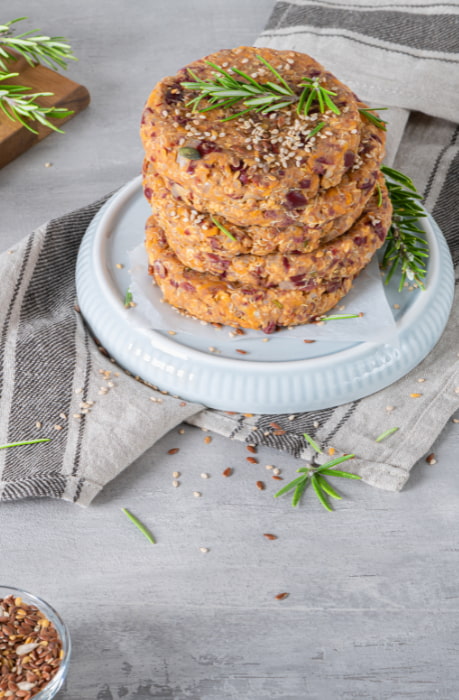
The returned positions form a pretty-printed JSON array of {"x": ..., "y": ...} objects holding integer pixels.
[
  {"x": 251, "y": 448},
  {"x": 241, "y": 352},
  {"x": 204, "y": 475},
  {"x": 63, "y": 416},
  {"x": 78, "y": 391},
  {"x": 316, "y": 424},
  {"x": 278, "y": 478},
  {"x": 390, "y": 408},
  {"x": 176, "y": 484},
  {"x": 173, "y": 451},
  {"x": 207, "y": 439},
  {"x": 269, "y": 466},
  {"x": 456, "y": 390},
  {"x": 280, "y": 431},
  {"x": 282, "y": 596},
  {"x": 176, "y": 475},
  {"x": 275, "y": 425},
  {"x": 58, "y": 427},
  {"x": 172, "y": 332},
  {"x": 181, "y": 431},
  {"x": 197, "y": 494},
  {"x": 260, "y": 485},
  {"x": 421, "y": 379},
  {"x": 269, "y": 536},
  {"x": 119, "y": 266},
  {"x": 38, "y": 424},
  {"x": 204, "y": 550},
  {"x": 182, "y": 403},
  {"x": 227, "y": 472},
  {"x": 276, "y": 471},
  {"x": 292, "y": 417},
  {"x": 415, "y": 396},
  {"x": 430, "y": 459},
  {"x": 77, "y": 415},
  {"x": 252, "y": 460},
  {"x": 331, "y": 451},
  {"x": 455, "y": 420}
]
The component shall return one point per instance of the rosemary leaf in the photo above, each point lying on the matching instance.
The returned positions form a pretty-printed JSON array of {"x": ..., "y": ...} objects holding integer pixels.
[
  {"x": 300, "y": 489},
  {"x": 340, "y": 317},
  {"x": 290, "y": 486},
  {"x": 335, "y": 462},
  {"x": 368, "y": 112},
  {"x": 335, "y": 472},
  {"x": 312, "y": 442},
  {"x": 386, "y": 434},
  {"x": 24, "y": 442},
  {"x": 320, "y": 495},
  {"x": 140, "y": 526},
  {"x": 222, "y": 228},
  {"x": 128, "y": 298},
  {"x": 328, "y": 488}
]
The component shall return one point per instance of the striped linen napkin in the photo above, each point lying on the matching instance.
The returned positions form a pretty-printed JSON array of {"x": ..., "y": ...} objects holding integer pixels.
[{"x": 55, "y": 383}]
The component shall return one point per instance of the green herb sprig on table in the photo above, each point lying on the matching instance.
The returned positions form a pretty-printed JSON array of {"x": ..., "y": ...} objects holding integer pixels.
[
  {"x": 315, "y": 475},
  {"x": 16, "y": 101},
  {"x": 404, "y": 249},
  {"x": 225, "y": 91}
]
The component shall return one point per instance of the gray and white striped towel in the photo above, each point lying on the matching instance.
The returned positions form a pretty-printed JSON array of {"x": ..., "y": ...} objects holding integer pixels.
[{"x": 403, "y": 55}]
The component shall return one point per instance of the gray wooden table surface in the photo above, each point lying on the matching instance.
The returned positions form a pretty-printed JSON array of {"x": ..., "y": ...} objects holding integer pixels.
[{"x": 373, "y": 609}]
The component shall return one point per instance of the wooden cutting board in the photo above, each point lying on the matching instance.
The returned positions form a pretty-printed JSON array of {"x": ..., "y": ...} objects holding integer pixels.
[{"x": 14, "y": 138}]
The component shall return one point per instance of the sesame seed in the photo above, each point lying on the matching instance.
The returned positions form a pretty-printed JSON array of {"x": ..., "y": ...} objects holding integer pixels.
[
  {"x": 165, "y": 113},
  {"x": 119, "y": 266},
  {"x": 276, "y": 471},
  {"x": 38, "y": 424},
  {"x": 197, "y": 494},
  {"x": 176, "y": 484},
  {"x": 181, "y": 431},
  {"x": 316, "y": 424},
  {"x": 204, "y": 475},
  {"x": 269, "y": 466},
  {"x": 421, "y": 379},
  {"x": 176, "y": 475},
  {"x": 48, "y": 165},
  {"x": 77, "y": 415},
  {"x": 78, "y": 391},
  {"x": 292, "y": 417},
  {"x": 172, "y": 332},
  {"x": 58, "y": 427},
  {"x": 390, "y": 408},
  {"x": 204, "y": 550}
]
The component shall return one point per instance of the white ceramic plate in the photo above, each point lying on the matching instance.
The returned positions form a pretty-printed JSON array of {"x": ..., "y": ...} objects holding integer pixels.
[{"x": 273, "y": 377}]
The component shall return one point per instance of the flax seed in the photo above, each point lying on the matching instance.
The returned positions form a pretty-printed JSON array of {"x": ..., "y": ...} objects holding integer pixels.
[
  {"x": 282, "y": 596},
  {"x": 260, "y": 485},
  {"x": 252, "y": 460},
  {"x": 269, "y": 536},
  {"x": 227, "y": 472},
  {"x": 430, "y": 459},
  {"x": 251, "y": 448},
  {"x": 207, "y": 439},
  {"x": 173, "y": 451}
]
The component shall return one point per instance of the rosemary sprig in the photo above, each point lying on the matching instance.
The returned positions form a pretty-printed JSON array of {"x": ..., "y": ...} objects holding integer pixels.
[
  {"x": 35, "y": 48},
  {"x": 222, "y": 228},
  {"x": 20, "y": 105},
  {"x": 315, "y": 475},
  {"x": 405, "y": 249},
  {"x": 24, "y": 442},
  {"x": 368, "y": 112},
  {"x": 225, "y": 91},
  {"x": 139, "y": 525}
]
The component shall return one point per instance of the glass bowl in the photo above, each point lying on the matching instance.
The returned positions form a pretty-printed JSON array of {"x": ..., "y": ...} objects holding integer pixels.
[{"x": 52, "y": 688}]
